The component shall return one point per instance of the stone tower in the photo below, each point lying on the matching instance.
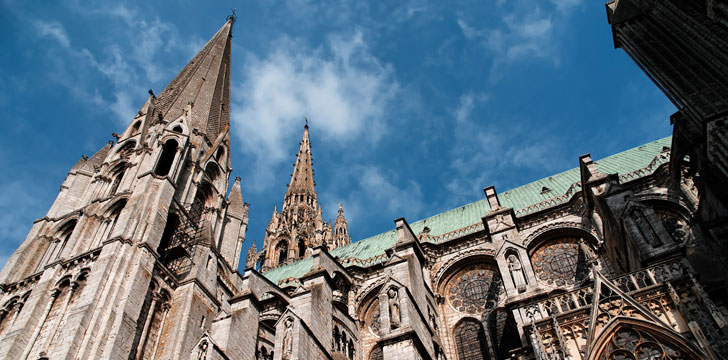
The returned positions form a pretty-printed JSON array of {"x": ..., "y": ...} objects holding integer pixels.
[
  {"x": 299, "y": 227},
  {"x": 135, "y": 256}
]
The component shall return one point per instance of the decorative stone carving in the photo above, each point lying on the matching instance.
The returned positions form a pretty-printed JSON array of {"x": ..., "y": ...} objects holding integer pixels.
[
  {"x": 395, "y": 317},
  {"x": 559, "y": 262},
  {"x": 288, "y": 338},
  {"x": 474, "y": 289},
  {"x": 516, "y": 270}
]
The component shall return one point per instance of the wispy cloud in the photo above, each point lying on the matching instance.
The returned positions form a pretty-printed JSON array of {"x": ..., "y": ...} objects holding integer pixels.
[
  {"x": 132, "y": 64},
  {"x": 370, "y": 187},
  {"x": 526, "y": 31},
  {"x": 340, "y": 87},
  {"x": 52, "y": 29},
  {"x": 493, "y": 153}
]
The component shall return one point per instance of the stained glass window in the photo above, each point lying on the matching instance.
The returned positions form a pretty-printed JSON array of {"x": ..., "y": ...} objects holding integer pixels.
[
  {"x": 372, "y": 317},
  {"x": 559, "y": 262},
  {"x": 632, "y": 344},
  {"x": 470, "y": 341},
  {"x": 475, "y": 288}
]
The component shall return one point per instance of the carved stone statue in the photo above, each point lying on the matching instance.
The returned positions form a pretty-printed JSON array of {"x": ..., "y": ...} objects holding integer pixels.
[
  {"x": 288, "y": 338},
  {"x": 516, "y": 270},
  {"x": 394, "y": 313}
]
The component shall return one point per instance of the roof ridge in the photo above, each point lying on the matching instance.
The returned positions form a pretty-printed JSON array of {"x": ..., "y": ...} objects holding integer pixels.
[{"x": 366, "y": 251}]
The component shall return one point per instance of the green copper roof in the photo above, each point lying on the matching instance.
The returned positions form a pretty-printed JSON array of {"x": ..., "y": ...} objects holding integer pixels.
[{"x": 538, "y": 195}]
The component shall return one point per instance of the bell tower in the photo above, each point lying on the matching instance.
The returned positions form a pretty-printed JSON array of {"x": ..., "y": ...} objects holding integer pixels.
[
  {"x": 134, "y": 257},
  {"x": 293, "y": 232}
]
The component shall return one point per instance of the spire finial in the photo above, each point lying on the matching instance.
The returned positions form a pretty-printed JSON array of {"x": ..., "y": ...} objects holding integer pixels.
[
  {"x": 305, "y": 119},
  {"x": 232, "y": 16}
]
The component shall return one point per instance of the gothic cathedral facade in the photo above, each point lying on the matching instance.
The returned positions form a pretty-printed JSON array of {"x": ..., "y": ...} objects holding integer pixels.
[{"x": 618, "y": 258}]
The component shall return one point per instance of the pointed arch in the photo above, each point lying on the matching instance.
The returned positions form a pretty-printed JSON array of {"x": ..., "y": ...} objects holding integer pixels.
[
  {"x": 470, "y": 340},
  {"x": 166, "y": 159},
  {"x": 640, "y": 339}
]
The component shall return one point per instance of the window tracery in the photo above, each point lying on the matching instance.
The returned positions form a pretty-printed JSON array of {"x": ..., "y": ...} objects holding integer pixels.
[
  {"x": 371, "y": 317},
  {"x": 475, "y": 288},
  {"x": 560, "y": 262},
  {"x": 631, "y": 344}
]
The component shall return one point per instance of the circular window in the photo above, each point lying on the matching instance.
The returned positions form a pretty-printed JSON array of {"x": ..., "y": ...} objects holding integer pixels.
[
  {"x": 474, "y": 289},
  {"x": 559, "y": 262}
]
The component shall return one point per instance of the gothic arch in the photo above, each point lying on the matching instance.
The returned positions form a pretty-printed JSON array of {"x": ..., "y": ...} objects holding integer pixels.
[
  {"x": 167, "y": 157},
  {"x": 448, "y": 267},
  {"x": 280, "y": 251},
  {"x": 469, "y": 339},
  {"x": 634, "y": 338},
  {"x": 369, "y": 311},
  {"x": 472, "y": 286},
  {"x": 565, "y": 226},
  {"x": 557, "y": 257},
  {"x": 124, "y": 148}
]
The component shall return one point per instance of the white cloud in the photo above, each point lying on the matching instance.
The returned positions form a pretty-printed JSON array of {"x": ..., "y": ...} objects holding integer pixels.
[
  {"x": 52, "y": 29},
  {"x": 370, "y": 187},
  {"x": 132, "y": 64},
  {"x": 341, "y": 88},
  {"x": 486, "y": 151}
]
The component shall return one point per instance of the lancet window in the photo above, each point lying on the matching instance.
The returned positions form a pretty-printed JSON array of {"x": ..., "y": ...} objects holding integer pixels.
[
  {"x": 470, "y": 341},
  {"x": 169, "y": 150}
]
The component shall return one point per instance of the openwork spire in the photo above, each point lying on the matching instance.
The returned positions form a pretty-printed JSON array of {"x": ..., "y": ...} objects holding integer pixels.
[{"x": 204, "y": 83}]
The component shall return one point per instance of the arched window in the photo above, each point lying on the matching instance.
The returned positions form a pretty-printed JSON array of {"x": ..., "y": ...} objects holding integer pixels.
[
  {"x": 301, "y": 247},
  {"x": 115, "y": 216},
  {"x": 169, "y": 150},
  {"x": 560, "y": 262},
  {"x": 376, "y": 353},
  {"x": 219, "y": 154},
  {"x": 119, "y": 175},
  {"x": 636, "y": 342},
  {"x": 65, "y": 234},
  {"x": 470, "y": 341},
  {"x": 135, "y": 127},
  {"x": 177, "y": 129},
  {"x": 198, "y": 205},
  {"x": 282, "y": 251},
  {"x": 212, "y": 171},
  {"x": 169, "y": 230}
]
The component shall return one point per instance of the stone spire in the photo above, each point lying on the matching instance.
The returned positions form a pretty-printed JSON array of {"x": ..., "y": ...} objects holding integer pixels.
[
  {"x": 341, "y": 229},
  {"x": 302, "y": 177},
  {"x": 204, "y": 83}
]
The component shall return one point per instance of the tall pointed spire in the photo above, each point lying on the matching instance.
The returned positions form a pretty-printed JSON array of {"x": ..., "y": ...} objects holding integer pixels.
[
  {"x": 302, "y": 177},
  {"x": 205, "y": 83}
]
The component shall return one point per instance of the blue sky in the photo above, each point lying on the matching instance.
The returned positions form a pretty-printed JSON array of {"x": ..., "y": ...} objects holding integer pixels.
[{"x": 414, "y": 105}]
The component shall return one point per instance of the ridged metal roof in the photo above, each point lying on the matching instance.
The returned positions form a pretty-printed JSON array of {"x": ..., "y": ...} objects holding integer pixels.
[{"x": 631, "y": 164}]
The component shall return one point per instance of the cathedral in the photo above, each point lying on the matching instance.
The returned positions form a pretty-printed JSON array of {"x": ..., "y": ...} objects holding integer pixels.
[{"x": 618, "y": 258}]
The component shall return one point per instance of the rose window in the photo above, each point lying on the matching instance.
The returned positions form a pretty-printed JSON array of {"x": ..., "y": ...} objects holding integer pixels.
[
  {"x": 372, "y": 317},
  {"x": 474, "y": 289},
  {"x": 559, "y": 262}
]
